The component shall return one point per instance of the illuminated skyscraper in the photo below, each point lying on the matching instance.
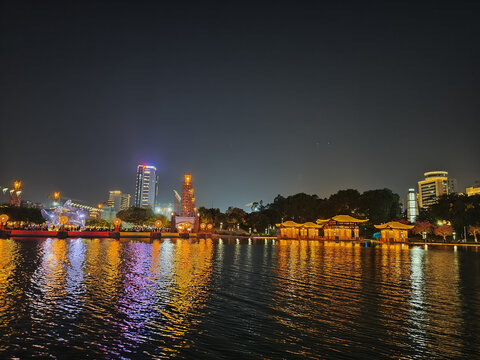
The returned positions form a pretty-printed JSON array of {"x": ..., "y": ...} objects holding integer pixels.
[
  {"x": 412, "y": 206},
  {"x": 118, "y": 200},
  {"x": 125, "y": 201},
  {"x": 188, "y": 198},
  {"x": 146, "y": 186},
  {"x": 432, "y": 187}
]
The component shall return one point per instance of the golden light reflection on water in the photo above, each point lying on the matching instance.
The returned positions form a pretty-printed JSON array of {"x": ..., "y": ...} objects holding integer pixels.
[
  {"x": 410, "y": 296},
  {"x": 9, "y": 294},
  {"x": 264, "y": 298}
]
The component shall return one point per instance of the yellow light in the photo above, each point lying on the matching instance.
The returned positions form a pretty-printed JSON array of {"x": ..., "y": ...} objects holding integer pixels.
[
  {"x": 117, "y": 222},
  {"x": 158, "y": 223},
  {"x": 63, "y": 220},
  {"x": 3, "y": 218},
  {"x": 56, "y": 195}
]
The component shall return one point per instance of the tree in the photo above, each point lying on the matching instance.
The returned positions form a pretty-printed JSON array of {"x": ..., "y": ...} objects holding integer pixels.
[
  {"x": 443, "y": 231},
  {"x": 235, "y": 216},
  {"x": 98, "y": 222},
  {"x": 458, "y": 209},
  {"x": 422, "y": 228},
  {"x": 141, "y": 216},
  {"x": 25, "y": 214},
  {"x": 474, "y": 230},
  {"x": 344, "y": 202},
  {"x": 380, "y": 206}
]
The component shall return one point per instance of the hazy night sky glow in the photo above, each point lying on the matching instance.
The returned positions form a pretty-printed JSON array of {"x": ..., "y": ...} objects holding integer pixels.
[{"x": 255, "y": 99}]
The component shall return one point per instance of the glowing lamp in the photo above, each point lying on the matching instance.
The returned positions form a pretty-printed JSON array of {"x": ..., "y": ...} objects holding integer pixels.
[
  {"x": 56, "y": 195},
  {"x": 209, "y": 226},
  {"x": 158, "y": 224},
  {"x": 63, "y": 220},
  {"x": 3, "y": 219},
  {"x": 203, "y": 226},
  {"x": 17, "y": 185}
]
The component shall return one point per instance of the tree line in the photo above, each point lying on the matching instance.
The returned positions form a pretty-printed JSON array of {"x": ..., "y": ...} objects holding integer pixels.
[
  {"x": 452, "y": 213},
  {"x": 457, "y": 213},
  {"x": 379, "y": 206}
]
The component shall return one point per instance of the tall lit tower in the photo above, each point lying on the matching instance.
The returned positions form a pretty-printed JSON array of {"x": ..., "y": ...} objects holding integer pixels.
[
  {"x": 412, "y": 205},
  {"x": 146, "y": 186},
  {"x": 16, "y": 194},
  {"x": 188, "y": 198}
]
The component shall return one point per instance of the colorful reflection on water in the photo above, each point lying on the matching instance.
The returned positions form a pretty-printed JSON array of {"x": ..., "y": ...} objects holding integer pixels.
[{"x": 237, "y": 298}]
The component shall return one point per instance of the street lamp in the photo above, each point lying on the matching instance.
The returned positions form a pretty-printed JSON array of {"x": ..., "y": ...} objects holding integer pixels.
[
  {"x": 158, "y": 224},
  {"x": 117, "y": 222},
  {"x": 3, "y": 221}
]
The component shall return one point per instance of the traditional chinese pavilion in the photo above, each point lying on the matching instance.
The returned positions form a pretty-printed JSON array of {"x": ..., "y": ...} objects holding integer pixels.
[
  {"x": 394, "y": 231},
  {"x": 341, "y": 227},
  {"x": 293, "y": 230}
]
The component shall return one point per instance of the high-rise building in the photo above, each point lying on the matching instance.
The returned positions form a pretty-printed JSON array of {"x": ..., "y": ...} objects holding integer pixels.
[
  {"x": 432, "y": 187},
  {"x": 412, "y": 206},
  {"x": 114, "y": 200},
  {"x": 125, "y": 201},
  {"x": 452, "y": 185},
  {"x": 146, "y": 186},
  {"x": 187, "y": 207}
]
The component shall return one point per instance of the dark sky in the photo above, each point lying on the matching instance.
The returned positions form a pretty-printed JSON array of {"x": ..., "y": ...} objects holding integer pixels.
[{"x": 254, "y": 98}]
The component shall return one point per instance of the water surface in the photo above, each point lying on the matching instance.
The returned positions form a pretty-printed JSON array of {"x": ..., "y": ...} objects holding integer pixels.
[{"x": 212, "y": 299}]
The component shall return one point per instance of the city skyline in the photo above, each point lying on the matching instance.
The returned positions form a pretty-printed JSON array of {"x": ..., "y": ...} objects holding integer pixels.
[
  {"x": 405, "y": 198},
  {"x": 317, "y": 98}
]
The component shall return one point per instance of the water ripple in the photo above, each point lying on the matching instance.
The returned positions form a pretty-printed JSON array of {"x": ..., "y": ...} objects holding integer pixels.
[{"x": 210, "y": 299}]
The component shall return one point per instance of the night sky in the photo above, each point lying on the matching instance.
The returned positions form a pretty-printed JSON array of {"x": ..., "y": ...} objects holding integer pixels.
[{"x": 255, "y": 99}]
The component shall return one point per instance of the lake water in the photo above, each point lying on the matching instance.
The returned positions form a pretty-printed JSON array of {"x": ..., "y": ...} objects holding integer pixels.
[{"x": 213, "y": 299}]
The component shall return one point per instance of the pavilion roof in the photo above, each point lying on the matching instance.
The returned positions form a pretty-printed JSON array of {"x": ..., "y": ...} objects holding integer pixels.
[
  {"x": 312, "y": 225},
  {"x": 288, "y": 224},
  {"x": 342, "y": 218},
  {"x": 394, "y": 225},
  {"x": 294, "y": 224}
]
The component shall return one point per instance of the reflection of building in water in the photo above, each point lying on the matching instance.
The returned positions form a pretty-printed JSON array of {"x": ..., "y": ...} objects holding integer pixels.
[
  {"x": 417, "y": 298},
  {"x": 316, "y": 280},
  {"x": 341, "y": 227},
  {"x": 444, "y": 318},
  {"x": 50, "y": 280},
  {"x": 189, "y": 289},
  {"x": 9, "y": 295}
]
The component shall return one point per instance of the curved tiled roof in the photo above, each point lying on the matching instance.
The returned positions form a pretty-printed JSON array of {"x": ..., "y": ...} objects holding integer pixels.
[
  {"x": 343, "y": 218},
  {"x": 394, "y": 225}
]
